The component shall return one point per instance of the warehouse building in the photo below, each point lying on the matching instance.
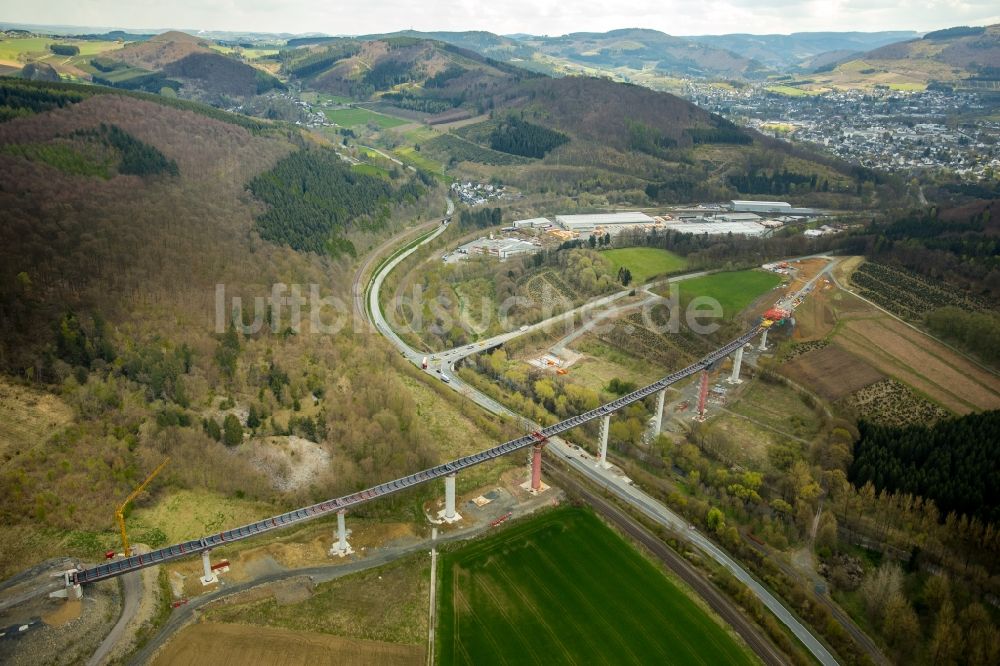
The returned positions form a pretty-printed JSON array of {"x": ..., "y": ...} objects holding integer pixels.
[
  {"x": 502, "y": 248},
  {"x": 739, "y": 206},
  {"x": 605, "y": 221},
  {"x": 737, "y": 217},
  {"x": 533, "y": 223},
  {"x": 712, "y": 228}
]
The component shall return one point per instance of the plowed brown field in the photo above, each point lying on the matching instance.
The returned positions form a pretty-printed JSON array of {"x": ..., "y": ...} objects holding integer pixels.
[{"x": 213, "y": 644}]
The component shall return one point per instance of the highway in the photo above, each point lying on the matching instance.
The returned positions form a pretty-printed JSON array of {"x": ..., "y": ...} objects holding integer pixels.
[
  {"x": 687, "y": 572},
  {"x": 191, "y": 547},
  {"x": 581, "y": 464},
  {"x": 587, "y": 467}
]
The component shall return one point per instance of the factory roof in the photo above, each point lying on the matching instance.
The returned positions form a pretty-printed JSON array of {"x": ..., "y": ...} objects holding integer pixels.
[
  {"x": 770, "y": 204},
  {"x": 601, "y": 219}
]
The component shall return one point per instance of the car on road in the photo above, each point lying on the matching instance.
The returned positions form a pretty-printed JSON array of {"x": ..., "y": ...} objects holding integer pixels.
[{"x": 445, "y": 378}]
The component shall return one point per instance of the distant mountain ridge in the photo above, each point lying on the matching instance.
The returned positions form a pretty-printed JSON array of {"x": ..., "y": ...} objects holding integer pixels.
[
  {"x": 631, "y": 48},
  {"x": 799, "y": 48},
  {"x": 956, "y": 57}
]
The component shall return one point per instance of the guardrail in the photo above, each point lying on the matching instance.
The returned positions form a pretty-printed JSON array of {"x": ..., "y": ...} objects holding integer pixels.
[{"x": 196, "y": 546}]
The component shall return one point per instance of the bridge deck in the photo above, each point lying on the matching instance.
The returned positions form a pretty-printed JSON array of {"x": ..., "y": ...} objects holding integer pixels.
[{"x": 195, "y": 546}]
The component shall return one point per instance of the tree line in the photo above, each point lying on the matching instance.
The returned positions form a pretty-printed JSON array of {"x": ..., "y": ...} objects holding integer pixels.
[
  {"x": 138, "y": 158},
  {"x": 954, "y": 462},
  {"x": 779, "y": 182},
  {"x": 519, "y": 137},
  {"x": 314, "y": 197},
  {"x": 480, "y": 219}
]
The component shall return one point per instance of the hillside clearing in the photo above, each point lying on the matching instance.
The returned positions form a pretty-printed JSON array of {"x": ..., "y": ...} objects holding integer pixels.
[{"x": 28, "y": 417}]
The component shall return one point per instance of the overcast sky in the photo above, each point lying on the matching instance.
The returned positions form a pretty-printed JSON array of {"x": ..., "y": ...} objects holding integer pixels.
[{"x": 551, "y": 17}]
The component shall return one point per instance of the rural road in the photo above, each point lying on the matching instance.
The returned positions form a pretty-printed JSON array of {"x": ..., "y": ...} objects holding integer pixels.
[
  {"x": 603, "y": 477},
  {"x": 132, "y": 591},
  {"x": 373, "y": 558}
]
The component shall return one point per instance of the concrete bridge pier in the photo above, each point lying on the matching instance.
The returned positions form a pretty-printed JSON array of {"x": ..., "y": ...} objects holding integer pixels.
[
  {"x": 206, "y": 562},
  {"x": 602, "y": 456},
  {"x": 763, "y": 340},
  {"x": 341, "y": 548},
  {"x": 449, "y": 515},
  {"x": 737, "y": 362},
  {"x": 661, "y": 399}
]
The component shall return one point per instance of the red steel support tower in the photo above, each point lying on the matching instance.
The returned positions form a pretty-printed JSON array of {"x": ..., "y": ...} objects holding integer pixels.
[
  {"x": 703, "y": 394},
  {"x": 536, "y": 467}
]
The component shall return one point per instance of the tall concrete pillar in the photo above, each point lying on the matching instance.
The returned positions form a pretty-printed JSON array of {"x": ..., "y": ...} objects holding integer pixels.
[
  {"x": 602, "y": 456},
  {"x": 341, "y": 547},
  {"x": 449, "y": 497},
  {"x": 763, "y": 340},
  {"x": 536, "y": 468},
  {"x": 737, "y": 362},
  {"x": 661, "y": 399},
  {"x": 206, "y": 563}
]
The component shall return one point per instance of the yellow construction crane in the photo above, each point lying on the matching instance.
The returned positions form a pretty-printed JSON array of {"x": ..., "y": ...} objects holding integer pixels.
[{"x": 120, "y": 512}]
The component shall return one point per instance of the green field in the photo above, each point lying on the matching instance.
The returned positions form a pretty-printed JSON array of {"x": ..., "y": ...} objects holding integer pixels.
[
  {"x": 645, "y": 262},
  {"x": 370, "y": 170},
  {"x": 563, "y": 588},
  {"x": 411, "y": 156},
  {"x": 10, "y": 49},
  {"x": 354, "y": 117},
  {"x": 734, "y": 290}
]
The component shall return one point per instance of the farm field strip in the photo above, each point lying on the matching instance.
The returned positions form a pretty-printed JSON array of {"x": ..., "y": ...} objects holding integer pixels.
[
  {"x": 989, "y": 380},
  {"x": 231, "y": 644},
  {"x": 563, "y": 588},
  {"x": 885, "y": 342},
  {"x": 354, "y": 117}
]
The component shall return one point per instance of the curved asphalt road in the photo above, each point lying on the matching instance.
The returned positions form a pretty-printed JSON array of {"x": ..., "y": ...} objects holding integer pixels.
[{"x": 582, "y": 463}]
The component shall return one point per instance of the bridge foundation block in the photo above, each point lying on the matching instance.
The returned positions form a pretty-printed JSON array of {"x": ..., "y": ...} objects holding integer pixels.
[
  {"x": 737, "y": 362},
  {"x": 602, "y": 456},
  {"x": 340, "y": 547},
  {"x": 210, "y": 578},
  {"x": 71, "y": 590}
]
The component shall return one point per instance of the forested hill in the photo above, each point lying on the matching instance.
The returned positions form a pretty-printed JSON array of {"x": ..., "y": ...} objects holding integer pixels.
[
  {"x": 599, "y": 134},
  {"x": 955, "y": 463},
  {"x": 122, "y": 218},
  {"x": 442, "y": 75},
  {"x": 111, "y": 202}
]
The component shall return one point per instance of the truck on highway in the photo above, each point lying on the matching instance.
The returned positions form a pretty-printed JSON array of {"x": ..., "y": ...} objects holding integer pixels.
[{"x": 423, "y": 364}]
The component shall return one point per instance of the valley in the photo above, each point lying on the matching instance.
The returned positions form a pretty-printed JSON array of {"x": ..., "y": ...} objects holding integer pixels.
[{"x": 699, "y": 332}]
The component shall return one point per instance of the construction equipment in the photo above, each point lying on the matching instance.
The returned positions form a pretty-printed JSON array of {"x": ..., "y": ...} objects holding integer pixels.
[{"x": 120, "y": 512}]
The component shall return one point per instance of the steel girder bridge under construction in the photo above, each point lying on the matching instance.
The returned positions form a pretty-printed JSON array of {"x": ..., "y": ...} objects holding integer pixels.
[{"x": 75, "y": 578}]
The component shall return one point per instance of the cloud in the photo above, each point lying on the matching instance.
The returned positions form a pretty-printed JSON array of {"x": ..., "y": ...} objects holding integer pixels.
[{"x": 551, "y": 17}]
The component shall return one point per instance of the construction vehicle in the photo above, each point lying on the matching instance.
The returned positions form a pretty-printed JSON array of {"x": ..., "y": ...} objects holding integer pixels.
[
  {"x": 120, "y": 512},
  {"x": 774, "y": 316}
]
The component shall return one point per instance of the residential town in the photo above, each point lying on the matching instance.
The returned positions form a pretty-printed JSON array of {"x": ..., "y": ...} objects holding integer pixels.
[{"x": 882, "y": 128}]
